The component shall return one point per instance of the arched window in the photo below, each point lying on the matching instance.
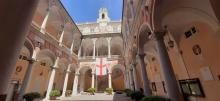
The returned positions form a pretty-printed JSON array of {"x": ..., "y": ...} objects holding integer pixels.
[{"x": 103, "y": 16}]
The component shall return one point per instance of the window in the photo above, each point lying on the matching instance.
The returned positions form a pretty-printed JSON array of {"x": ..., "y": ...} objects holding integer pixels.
[
  {"x": 164, "y": 88},
  {"x": 20, "y": 56},
  {"x": 43, "y": 64},
  {"x": 190, "y": 32},
  {"x": 154, "y": 87},
  {"x": 103, "y": 16},
  {"x": 191, "y": 87},
  {"x": 25, "y": 58}
]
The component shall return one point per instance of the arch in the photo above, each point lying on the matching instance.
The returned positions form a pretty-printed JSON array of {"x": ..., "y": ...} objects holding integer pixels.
[
  {"x": 28, "y": 44},
  {"x": 47, "y": 56},
  {"x": 73, "y": 68},
  {"x": 68, "y": 34},
  {"x": 186, "y": 15},
  {"x": 85, "y": 77},
  {"x": 56, "y": 22},
  {"x": 41, "y": 11},
  {"x": 121, "y": 67},
  {"x": 63, "y": 64},
  {"x": 143, "y": 34},
  {"x": 77, "y": 41},
  {"x": 116, "y": 46},
  {"x": 87, "y": 47},
  {"x": 118, "y": 72},
  {"x": 84, "y": 68},
  {"x": 102, "y": 46}
]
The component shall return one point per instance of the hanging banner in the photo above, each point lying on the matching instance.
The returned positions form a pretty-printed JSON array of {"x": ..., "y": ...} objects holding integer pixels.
[{"x": 101, "y": 66}]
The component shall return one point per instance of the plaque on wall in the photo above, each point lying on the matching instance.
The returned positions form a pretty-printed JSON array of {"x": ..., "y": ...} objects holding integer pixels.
[{"x": 206, "y": 73}]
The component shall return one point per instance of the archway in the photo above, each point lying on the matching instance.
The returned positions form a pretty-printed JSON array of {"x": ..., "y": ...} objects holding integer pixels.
[
  {"x": 41, "y": 72},
  {"x": 85, "y": 78},
  {"x": 118, "y": 77}
]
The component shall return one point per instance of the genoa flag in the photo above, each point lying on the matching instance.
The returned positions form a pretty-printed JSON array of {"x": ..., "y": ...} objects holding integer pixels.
[{"x": 101, "y": 66}]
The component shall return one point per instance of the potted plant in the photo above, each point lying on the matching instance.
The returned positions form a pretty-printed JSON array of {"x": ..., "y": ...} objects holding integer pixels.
[
  {"x": 136, "y": 95},
  {"x": 54, "y": 94},
  {"x": 154, "y": 98},
  {"x": 128, "y": 92},
  {"x": 31, "y": 96},
  {"x": 92, "y": 91},
  {"x": 109, "y": 91},
  {"x": 68, "y": 93}
]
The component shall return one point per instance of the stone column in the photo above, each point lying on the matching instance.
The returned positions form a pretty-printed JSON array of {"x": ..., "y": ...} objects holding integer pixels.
[
  {"x": 131, "y": 79},
  {"x": 44, "y": 23},
  {"x": 28, "y": 74},
  {"x": 82, "y": 82},
  {"x": 80, "y": 49},
  {"x": 131, "y": 7},
  {"x": 166, "y": 67},
  {"x": 16, "y": 17},
  {"x": 125, "y": 81},
  {"x": 136, "y": 83},
  {"x": 128, "y": 79},
  {"x": 11, "y": 90},
  {"x": 71, "y": 48},
  {"x": 75, "y": 84},
  {"x": 61, "y": 36},
  {"x": 109, "y": 79},
  {"x": 94, "y": 43},
  {"x": 51, "y": 80},
  {"x": 109, "y": 47},
  {"x": 66, "y": 81},
  {"x": 93, "y": 80},
  {"x": 146, "y": 84}
]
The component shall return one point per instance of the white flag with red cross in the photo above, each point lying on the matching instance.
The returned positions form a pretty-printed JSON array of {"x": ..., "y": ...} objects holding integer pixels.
[{"x": 101, "y": 66}]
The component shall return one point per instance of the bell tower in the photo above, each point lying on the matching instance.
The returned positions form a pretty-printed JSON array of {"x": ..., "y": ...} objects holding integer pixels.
[{"x": 103, "y": 15}]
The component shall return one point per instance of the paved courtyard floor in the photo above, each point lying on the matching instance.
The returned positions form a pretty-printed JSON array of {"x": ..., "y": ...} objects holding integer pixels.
[{"x": 96, "y": 97}]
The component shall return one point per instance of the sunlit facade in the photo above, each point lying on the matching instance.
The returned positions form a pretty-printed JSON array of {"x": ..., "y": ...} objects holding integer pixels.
[{"x": 159, "y": 48}]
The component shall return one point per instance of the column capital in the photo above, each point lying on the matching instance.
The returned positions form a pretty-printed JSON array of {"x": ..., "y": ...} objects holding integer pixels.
[
  {"x": 53, "y": 67},
  {"x": 134, "y": 64},
  {"x": 31, "y": 60},
  {"x": 109, "y": 39},
  {"x": 68, "y": 71},
  {"x": 158, "y": 35},
  {"x": 93, "y": 72},
  {"x": 131, "y": 69},
  {"x": 77, "y": 74},
  {"x": 94, "y": 39},
  {"x": 141, "y": 55}
]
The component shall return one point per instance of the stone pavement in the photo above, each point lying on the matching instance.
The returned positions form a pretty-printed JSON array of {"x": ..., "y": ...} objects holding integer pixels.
[{"x": 96, "y": 97}]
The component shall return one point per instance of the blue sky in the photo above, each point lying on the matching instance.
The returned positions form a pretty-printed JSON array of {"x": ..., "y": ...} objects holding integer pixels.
[{"x": 87, "y": 10}]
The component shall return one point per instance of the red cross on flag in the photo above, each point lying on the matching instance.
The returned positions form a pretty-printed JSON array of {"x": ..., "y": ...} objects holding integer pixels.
[{"x": 101, "y": 66}]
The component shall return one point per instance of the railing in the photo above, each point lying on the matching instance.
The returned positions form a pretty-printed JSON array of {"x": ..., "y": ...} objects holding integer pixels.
[{"x": 90, "y": 58}]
